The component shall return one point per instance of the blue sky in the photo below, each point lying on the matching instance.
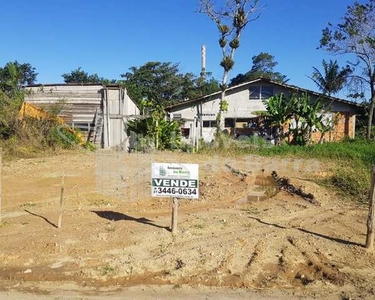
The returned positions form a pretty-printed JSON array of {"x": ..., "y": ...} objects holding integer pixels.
[{"x": 109, "y": 37}]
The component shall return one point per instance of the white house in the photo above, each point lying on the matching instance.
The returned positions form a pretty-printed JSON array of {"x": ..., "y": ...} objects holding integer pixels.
[{"x": 244, "y": 100}]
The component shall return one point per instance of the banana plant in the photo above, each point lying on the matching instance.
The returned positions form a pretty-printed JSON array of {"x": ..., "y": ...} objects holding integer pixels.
[
  {"x": 306, "y": 116},
  {"x": 326, "y": 125},
  {"x": 279, "y": 112}
]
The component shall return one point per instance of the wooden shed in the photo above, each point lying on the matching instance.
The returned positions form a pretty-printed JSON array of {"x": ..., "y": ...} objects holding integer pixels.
[{"x": 98, "y": 111}]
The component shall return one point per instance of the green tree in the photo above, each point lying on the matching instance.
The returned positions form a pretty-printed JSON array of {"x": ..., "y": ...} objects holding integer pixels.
[
  {"x": 80, "y": 76},
  {"x": 263, "y": 66},
  {"x": 355, "y": 37},
  {"x": 333, "y": 78},
  {"x": 154, "y": 130},
  {"x": 14, "y": 75},
  {"x": 231, "y": 20},
  {"x": 163, "y": 83},
  {"x": 206, "y": 85}
]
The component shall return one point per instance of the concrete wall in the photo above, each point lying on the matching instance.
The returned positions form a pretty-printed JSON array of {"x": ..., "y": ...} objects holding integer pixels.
[
  {"x": 77, "y": 104},
  {"x": 241, "y": 106}
]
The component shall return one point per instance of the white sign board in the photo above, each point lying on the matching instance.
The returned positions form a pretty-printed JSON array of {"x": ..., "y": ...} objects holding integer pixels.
[{"x": 174, "y": 180}]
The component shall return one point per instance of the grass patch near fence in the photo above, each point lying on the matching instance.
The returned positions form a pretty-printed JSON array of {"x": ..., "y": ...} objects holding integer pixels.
[{"x": 352, "y": 160}]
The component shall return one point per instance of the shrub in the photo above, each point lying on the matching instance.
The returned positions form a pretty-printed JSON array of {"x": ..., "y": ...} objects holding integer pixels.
[
  {"x": 353, "y": 159},
  {"x": 161, "y": 134},
  {"x": 352, "y": 181}
]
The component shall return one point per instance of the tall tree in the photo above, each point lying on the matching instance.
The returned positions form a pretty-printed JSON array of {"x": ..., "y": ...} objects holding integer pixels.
[
  {"x": 163, "y": 83},
  {"x": 14, "y": 75},
  {"x": 263, "y": 66},
  {"x": 333, "y": 78},
  {"x": 231, "y": 20},
  {"x": 355, "y": 37},
  {"x": 80, "y": 76}
]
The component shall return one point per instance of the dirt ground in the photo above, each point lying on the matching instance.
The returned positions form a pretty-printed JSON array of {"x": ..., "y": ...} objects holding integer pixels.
[{"x": 240, "y": 240}]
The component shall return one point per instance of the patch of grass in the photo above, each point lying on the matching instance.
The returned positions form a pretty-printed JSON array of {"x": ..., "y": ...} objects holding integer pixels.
[
  {"x": 247, "y": 225},
  {"x": 198, "y": 226},
  {"x": 251, "y": 210},
  {"x": 4, "y": 223},
  {"x": 101, "y": 202},
  {"x": 352, "y": 159},
  {"x": 353, "y": 181},
  {"x": 108, "y": 271},
  {"x": 28, "y": 205},
  {"x": 227, "y": 145},
  {"x": 349, "y": 150}
]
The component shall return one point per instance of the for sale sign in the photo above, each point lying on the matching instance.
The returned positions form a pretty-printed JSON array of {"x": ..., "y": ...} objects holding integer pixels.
[{"x": 175, "y": 180}]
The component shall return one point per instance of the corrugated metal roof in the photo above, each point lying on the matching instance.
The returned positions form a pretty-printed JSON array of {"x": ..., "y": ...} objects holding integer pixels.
[{"x": 74, "y": 84}]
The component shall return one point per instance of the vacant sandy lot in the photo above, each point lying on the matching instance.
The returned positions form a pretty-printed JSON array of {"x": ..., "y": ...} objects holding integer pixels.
[{"x": 115, "y": 240}]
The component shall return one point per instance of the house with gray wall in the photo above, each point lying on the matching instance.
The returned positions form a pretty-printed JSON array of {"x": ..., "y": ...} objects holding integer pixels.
[
  {"x": 99, "y": 111},
  {"x": 245, "y": 100}
]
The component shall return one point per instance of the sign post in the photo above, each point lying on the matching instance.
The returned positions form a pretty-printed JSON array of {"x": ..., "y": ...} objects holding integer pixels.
[
  {"x": 61, "y": 200},
  {"x": 175, "y": 181},
  {"x": 174, "y": 215}
]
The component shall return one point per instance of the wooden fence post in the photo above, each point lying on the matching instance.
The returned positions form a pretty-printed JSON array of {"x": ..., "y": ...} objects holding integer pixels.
[
  {"x": 1, "y": 178},
  {"x": 371, "y": 215},
  {"x": 61, "y": 200},
  {"x": 174, "y": 215}
]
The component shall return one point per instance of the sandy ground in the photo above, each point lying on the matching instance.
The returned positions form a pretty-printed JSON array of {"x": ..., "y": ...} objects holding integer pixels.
[{"x": 232, "y": 243}]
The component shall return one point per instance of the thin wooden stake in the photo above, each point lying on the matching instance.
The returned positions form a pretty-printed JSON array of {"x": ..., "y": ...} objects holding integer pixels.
[
  {"x": 371, "y": 214},
  {"x": 61, "y": 199},
  {"x": 174, "y": 215},
  {"x": 1, "y": 178}
]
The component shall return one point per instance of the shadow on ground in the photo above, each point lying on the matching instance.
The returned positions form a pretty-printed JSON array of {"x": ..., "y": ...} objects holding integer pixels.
[
  {"x": 334, "y": 239},
  {"x": 39, "y": 216},
  {"x": 116, "y": 216}
]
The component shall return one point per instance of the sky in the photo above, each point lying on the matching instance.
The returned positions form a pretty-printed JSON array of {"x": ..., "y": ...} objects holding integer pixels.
[{"x": 108, "y": 37}]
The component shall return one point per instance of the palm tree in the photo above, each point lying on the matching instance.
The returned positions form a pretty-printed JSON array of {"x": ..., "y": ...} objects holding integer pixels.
[{"x": 333, "y": 78}]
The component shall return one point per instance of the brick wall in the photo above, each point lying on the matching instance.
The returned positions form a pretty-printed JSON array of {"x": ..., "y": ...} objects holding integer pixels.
[{"x": 345, "y": 127}]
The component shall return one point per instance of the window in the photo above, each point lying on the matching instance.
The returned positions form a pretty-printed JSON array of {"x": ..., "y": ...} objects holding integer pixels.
[
  {"x": 82, "y": 126},
  {"x": 254, "y": 92},
  {"x": 260, "y": 92},
  {"x": 229, "y": 122},
  {"x": 209, "y": 124},
  {"x": 185, "y": 132},
  {"x": 266, "y": 92},
  {"x": 176, "y": 116}
]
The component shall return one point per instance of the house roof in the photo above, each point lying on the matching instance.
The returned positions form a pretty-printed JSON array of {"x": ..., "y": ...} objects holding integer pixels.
[
  {"x": 73, "y": 84},
  {"x": 291, "y": 87}
]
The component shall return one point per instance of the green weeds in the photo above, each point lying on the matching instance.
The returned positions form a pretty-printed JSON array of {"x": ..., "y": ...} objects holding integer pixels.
[{"x": 352, "y": 160}]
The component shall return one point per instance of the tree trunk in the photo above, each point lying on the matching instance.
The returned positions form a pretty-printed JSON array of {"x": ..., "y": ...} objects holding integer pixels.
[
  {"x": 277, "y": 136},
  {"x": 371, "y": 112},
  {"x": 309, "y": 136},
  {"x": 220, "y": 124},
  {"x": 371, "y": 215},
  {"x": 371, "y": 115},
  {"x": 321, "y": 140}
]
